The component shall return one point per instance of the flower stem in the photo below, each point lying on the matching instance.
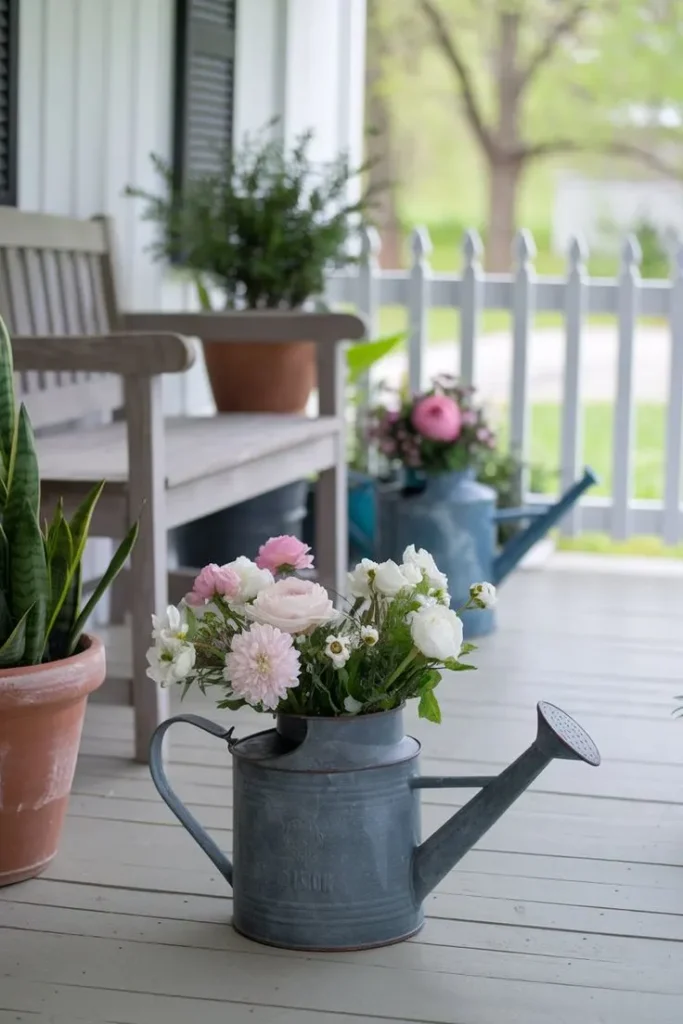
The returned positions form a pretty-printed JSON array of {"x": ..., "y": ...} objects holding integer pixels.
[{"x": 402, "y": 667}]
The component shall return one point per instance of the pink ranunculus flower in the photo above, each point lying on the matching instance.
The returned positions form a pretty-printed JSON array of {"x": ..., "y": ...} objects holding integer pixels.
[
  {"x": 212, "y": 580},
  {"x": 262, "y": 665},
  {"x": 437, "y": 417},
  {"x": 284, "y": 554},
  {"x": 293, "y": 605}
]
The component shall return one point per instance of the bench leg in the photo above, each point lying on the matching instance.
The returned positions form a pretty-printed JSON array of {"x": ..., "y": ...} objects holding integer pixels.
[
  {"x": 331, "y": 528},
  {"x": 148, "y": 583}
]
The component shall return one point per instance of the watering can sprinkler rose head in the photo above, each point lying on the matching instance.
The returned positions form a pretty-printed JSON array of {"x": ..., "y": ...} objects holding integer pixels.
[{"x": 327, "y": 852}]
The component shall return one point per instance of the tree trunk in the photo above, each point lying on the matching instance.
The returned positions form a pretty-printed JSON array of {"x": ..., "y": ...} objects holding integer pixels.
[
  {"x": 380, "y": 148},
  {"x": 504, "y": 181}
]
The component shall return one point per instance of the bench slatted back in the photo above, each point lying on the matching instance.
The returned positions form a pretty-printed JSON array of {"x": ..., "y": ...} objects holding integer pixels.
[{"x": 56, "y": 277}]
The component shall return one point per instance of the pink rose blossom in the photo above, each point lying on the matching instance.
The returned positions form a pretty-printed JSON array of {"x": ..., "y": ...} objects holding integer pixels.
[
  {"x": 212, "y": 580},
  {"x": 284, "y": 553},
  {"x": 438, "y": 418},
  {"x": 262, "y": 665},
  {"x": 293, "y": 605}
]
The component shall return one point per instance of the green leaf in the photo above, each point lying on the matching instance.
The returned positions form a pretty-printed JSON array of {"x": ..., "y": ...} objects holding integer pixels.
[
  {"x": 467, "y": 648},
  {"x": 363, "y": 355},
  {"x": 4, "y": 562},
  {"x": 29, "y": 581},
  {"x": 202, "y": 294},
  {"x": 23, "y": 476},
  {"x": 62, "y": 565},
  {"x": 5, "y": 617},
  {"x": 453, "y": 665},
  {"x": 59, "y": 636},
  {"x": 7, "y": 406},
  {"x": 429, "y": 707},
  {"x": 430, "y": 681},
  {"x": 115, "y": 566},
  {"x": 12, "y": 651},
  {"x": 81, "y": 520}
]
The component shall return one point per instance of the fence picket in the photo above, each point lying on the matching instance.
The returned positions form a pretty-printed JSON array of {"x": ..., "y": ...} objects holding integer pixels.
[
  {"x": 622, "y": 451},
  {"x": 572, "y": 423},
  {"x": 418, "y": 305},
  {"x": 522, "y": 319},
  {"x": 470, "y": 305},
  {"x": 673, "y": 442}
]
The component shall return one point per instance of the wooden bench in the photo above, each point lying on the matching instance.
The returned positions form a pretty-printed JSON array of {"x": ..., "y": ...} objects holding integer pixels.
[{"x": 76, "y": 353}]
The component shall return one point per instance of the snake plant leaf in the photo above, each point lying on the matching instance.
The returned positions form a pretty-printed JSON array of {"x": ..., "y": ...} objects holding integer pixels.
[
  {"x": 5, "y": 618},
  {"x": 12, "y": 651},
  {"x": 4, "y": 562},
  {"x": 63, "y": 627},
  {"x": 115, "y": 566},
  {"x": 7, "y": 407},
  {"x": 24, "y": 475},
  {"x": 60, "y": 551},
  {"x": 29, "y": 583},
  {"x": 79, "y": 524}
]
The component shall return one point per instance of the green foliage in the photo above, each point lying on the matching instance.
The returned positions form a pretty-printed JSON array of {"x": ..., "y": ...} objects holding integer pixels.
[
  {"x": 502, "y": 471},
  {"x": 40, "y": 569},
  {"x": 264, "y": 228},
  {"x": 654, "y": 261}
]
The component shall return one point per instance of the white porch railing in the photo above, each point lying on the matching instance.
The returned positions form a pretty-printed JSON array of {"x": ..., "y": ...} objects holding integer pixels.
[{"x": 368, "y": 288}]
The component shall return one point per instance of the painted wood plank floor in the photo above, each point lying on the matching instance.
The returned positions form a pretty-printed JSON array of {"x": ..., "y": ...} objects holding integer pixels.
[{"x": 569, "y": 910}]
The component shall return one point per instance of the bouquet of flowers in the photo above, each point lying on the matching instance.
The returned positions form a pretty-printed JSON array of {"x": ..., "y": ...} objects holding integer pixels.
[
  {"x": 267, "y": 637},
  {"x": 438, "y": 431}
]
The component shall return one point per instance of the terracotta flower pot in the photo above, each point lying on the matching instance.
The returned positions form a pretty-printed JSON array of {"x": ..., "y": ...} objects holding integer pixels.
[
  {"x": 41, "y": 716},
  {"x": 261, "y": 377}
]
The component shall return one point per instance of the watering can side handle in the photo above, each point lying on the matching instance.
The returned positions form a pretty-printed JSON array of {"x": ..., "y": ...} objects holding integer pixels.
[{"x": 186, "y": 819}]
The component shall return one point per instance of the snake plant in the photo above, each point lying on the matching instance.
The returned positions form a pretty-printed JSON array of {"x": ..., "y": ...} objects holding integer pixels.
[{"x": 41, "y": 617}]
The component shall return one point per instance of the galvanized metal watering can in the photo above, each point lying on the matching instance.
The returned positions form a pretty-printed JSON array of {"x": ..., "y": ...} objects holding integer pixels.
[
  {"x": 326, "y": 823},
  {"x": 454, "y": 517}
]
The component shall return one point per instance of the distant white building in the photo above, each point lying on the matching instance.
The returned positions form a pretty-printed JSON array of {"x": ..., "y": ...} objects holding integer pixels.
[{"x": 601, "y": 211}]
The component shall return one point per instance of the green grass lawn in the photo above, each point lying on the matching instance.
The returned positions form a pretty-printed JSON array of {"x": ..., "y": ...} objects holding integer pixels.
[{"x": 648, "y": 461}]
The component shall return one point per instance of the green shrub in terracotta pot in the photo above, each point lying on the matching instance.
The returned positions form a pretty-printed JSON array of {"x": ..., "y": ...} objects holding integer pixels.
[
  {"x": 260, "y": 233},
  {"x": 48, "y": 664}
]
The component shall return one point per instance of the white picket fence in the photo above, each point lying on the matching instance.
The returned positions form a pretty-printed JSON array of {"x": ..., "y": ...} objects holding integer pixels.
[{"x": 367, "y": 288}]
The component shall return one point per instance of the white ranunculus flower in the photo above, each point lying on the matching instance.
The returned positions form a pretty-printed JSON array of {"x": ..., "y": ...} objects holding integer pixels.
[
  {"x": 293, "y": 606},
  {"x": 484, "y": 595},
  {"x": 252, "y": 579},
  {"x": 170, "y": 661},
  {"x": 351, "y": 705},
  {"x": 412, "y": 573},
  {"x": 389, "y": 579},
  {"x": 361, "y": 578},
  {"x": 172, "y": 625},
  {"x": 436, "y": 632},
  {"x": 426, "y": 564},
  {"x": 338, "y": 650}
]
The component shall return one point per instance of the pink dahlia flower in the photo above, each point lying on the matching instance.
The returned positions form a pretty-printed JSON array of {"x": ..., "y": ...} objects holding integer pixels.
[
  {"x": 284, "y": 554},
  {"x": 214, "y": 579},
  {"x": 262, "y": 665},
  {"x": 437, "y": 417}
]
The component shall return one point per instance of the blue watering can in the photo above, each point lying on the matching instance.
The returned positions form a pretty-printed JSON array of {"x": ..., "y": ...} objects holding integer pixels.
[{"x": 455, "y": 518}]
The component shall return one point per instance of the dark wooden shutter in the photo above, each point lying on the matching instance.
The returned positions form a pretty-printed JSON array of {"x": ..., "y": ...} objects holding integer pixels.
[
  {"x": 9, "y": 54},
  {"x": 205, "y": 73}
]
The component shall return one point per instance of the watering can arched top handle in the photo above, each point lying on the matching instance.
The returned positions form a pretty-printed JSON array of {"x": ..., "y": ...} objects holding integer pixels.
[{"x": 185, "y": 817}]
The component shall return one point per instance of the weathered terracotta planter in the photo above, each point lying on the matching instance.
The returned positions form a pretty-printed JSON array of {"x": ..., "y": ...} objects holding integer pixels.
[
  {"x": 261, "y": 377},
  {"x": 41, "y": 717}
]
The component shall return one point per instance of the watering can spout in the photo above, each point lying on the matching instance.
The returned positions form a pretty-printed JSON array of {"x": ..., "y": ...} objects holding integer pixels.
[
  {"x": 558, "y": 736},
  {"x": 540, "y": 524}
]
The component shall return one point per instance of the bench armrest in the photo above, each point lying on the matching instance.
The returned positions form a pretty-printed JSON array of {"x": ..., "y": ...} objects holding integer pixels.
[
  {"x": 254, "y": 325},
  {"x": 126, "y": 354}
]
